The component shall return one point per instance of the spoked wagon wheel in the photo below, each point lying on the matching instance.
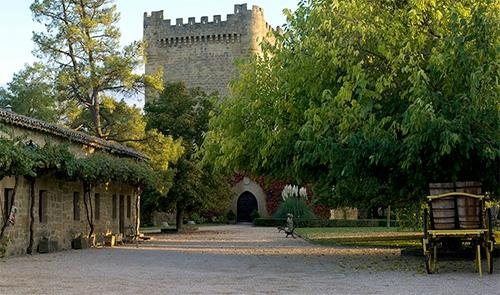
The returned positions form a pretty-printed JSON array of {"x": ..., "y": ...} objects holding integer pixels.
[
  {"x": 429, "y": 247},
  {"x": 431, "y": 258},
  {"x": 489, "y": 241}
]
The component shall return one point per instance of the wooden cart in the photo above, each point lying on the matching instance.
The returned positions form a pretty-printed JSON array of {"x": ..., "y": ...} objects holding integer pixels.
[{"x": 461, "y": 217}]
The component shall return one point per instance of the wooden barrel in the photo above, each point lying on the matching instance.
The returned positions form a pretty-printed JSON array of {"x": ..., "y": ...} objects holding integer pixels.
[
  {"x": 443, "y": 213},
  {"x": 467, "y": 208},
  {"x": 469, "y": 212},
  {"x": 471, "y": 187}
]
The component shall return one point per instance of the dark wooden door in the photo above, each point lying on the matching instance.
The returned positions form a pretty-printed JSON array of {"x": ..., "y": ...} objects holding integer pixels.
[
  {"x": 121, "y": 214},
  {"x": 247, "y": 203}
]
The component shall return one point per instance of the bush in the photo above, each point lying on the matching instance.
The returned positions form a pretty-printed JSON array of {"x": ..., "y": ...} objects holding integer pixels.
[
  {"x": 296, "y": 206},
  {"x": 198, "y": 219},
  {"x": 219, "y": 219},
  {"x": 231, "y": 217},
  {"x": 4, "y": 243},
  {"x": 255, "y": 214},
  {"x": 326, "y": 223},
  {"x": 269, "y": 222},
  {"x": 411, "y": 216}
]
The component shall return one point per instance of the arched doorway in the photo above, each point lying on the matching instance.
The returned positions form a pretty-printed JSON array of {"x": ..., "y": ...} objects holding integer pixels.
[{"x": 247, "y": 203}]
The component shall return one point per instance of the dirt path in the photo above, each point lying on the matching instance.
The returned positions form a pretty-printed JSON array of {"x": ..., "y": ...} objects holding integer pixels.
[{"x": 236, "y": 260}]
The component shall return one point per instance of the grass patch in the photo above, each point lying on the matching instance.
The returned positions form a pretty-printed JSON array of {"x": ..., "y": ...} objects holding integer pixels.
[
  {"x": 366, "y": 237},
  {"x": 349, "y": 230},
  {"x": 362, "y": 237}
]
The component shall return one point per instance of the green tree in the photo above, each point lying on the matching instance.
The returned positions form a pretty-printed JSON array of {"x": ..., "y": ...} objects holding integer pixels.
[
  {"x": 369, "y": 100},
  {"x": 32, "y": 93},
  {"x": 183, "y": 114},
  {"x": 81, "y": 46},
  {"x": 127, "y": 125}
]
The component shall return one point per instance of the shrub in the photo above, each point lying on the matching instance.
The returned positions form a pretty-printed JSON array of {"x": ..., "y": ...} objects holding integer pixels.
[
  {"x": 230, "y": 216},
  {"x": 4, "y": 243},
  {"x": 268, "y": 222},
  {"x": 255, "y": 214},
  {"x": 296, "y": 206},
  {"x": 326, "y": 223},
  {"x": 197, "y": 218},
  {"x": 218, "y": 219},
  {"x": 411, "y": 216}
]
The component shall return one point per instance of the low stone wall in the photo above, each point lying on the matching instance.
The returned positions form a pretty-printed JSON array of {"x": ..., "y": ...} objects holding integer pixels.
[
  {"x": 58, "y": 222},
  {"x": 344, "y": 213},
  {"x": 162, "y": 218}
]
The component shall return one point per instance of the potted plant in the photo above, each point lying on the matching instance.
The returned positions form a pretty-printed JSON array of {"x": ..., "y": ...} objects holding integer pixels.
[{"x": 79, "y": 242}]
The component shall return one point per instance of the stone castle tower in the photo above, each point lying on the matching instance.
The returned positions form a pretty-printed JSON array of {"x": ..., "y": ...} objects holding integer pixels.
[{"x": 203, "y": 54}]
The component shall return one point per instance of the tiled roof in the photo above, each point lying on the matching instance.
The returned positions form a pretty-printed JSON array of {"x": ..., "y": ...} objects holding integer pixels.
[{"x": 12, "y": 118}]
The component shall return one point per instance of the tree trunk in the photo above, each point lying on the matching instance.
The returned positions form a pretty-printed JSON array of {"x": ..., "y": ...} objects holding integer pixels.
[
  {"x": 178, "y": 216},
  {"x": 29, "y": 250},
  {"x": 96, "y": 114},
  {"x": 6, "y": 221},
  {"x": 87, "y": 201},
  {"x": 389, "y": 216}
]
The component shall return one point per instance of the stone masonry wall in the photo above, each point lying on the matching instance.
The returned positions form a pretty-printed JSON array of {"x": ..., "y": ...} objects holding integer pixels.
[
  {"x": 203, "y": 54},
  {"x": 59, "y": 223}
]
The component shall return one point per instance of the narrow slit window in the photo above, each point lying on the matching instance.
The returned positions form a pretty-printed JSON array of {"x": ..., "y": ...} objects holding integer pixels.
[
  {"x": 129, "y": 204},
  {"x": 8, "y": 200},
  {"x": 42, "y": 206},
  {"x": 97, "y": 206},
  {"x": 76, "y": 206},
  {"x": 113, "y": 206}
]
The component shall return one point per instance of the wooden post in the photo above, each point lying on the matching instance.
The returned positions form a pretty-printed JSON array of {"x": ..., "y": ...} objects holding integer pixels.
[
  {"x": 389, "y": 216},
  {"x": 137, "y": 216}
]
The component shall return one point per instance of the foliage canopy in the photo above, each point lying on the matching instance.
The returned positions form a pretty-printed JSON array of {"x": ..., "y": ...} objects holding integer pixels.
[
  {"x": 80, "y": 44},
  {"x": 369, "y": 100},
  {"x": 183, "y": 113}
]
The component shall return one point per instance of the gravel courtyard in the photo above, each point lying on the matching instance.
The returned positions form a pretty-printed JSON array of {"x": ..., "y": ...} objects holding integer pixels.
[{"x": 236, "y": 259}]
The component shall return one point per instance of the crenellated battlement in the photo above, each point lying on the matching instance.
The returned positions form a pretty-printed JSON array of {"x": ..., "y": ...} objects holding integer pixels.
[{"x": 155, "y": 22}]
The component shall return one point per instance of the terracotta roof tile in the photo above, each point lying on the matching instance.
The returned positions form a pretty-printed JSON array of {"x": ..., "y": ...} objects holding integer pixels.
[{"x": 12, "y": 118}]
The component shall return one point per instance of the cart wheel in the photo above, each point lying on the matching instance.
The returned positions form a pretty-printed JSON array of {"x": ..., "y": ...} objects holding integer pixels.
[
  {"x": 490, "y": 241},
  {"x": 428, "y": 246},
  {"x": 489, "y": 260},
  {"x": 431, "y": 259}
]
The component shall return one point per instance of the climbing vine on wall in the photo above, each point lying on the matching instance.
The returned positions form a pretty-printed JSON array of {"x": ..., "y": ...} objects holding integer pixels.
[{"x": 21, "y": 157}]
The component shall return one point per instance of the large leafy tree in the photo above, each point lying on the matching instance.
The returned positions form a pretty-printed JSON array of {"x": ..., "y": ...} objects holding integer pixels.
[
  {"x": 32, "y": 93},
  {"x": 183, "y": 114},
  {"x": 80, "y": 44},
  {"x": 127, "y": 124},
  {"x": 369, "y": 100}
]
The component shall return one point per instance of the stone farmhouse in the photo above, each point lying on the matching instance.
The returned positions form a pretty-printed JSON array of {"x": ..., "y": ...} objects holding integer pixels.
[
  {"x": 58, "y": 210},
  {"x": 204, "y": 54}
]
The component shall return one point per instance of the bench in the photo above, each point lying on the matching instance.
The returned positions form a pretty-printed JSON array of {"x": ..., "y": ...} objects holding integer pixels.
[
  {"x": 289, "y": 227},
  {"x": 457, "y": 217}
]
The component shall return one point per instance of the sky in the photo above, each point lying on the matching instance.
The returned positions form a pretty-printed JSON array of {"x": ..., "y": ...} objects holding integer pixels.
[{"x": 16, "y": 24}]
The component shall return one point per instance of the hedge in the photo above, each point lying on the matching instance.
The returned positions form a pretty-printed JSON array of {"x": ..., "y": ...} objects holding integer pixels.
[{"x": 327, "y": 222}]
